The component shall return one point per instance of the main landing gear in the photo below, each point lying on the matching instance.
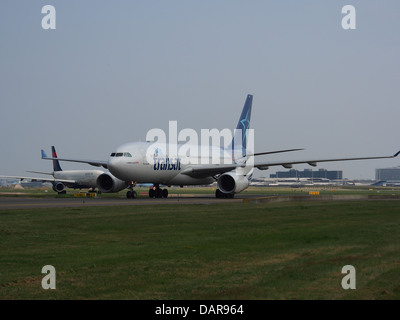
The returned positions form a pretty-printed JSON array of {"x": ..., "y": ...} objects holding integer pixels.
[
  {"x": 154, "y": 192},
  {"x": 157, "y": 192}
]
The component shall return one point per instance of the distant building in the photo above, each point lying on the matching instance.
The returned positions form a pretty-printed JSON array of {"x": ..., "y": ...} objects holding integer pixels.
[
  {"x": 309, "y": 173},
  {"x": 387, "y": 174},
  {"x": 8, "y": 182}
]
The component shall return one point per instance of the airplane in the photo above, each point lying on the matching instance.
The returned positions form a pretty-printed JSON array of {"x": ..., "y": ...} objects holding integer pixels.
[
  {"x": 76, "y": 179},
  {"x": 130, "y": 163}
]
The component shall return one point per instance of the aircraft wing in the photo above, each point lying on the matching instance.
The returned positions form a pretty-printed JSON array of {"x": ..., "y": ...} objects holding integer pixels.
[
  {"x": 39, "y": 179},
  {"x": 271, "y": 152},
  {"x": 289, "y": 164},
  {"x": 96, "y": 163},
  {"x": 202, "y": 171}
]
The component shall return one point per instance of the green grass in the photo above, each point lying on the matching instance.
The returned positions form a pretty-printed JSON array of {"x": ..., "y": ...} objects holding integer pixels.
[{"x": 220, "y": 251}]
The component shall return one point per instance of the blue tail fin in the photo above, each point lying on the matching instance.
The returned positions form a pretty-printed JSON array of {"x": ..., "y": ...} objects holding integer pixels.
[
  {"x": 56, "y": 163},
  {"x": 241, "y": 129}
]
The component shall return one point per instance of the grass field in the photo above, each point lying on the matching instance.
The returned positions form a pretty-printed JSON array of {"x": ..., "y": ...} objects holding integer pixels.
[{"x": 220, "y": 251}]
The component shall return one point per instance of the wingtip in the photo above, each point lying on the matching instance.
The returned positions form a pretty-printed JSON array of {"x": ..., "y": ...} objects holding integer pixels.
[{"x": 396, "y": 154}]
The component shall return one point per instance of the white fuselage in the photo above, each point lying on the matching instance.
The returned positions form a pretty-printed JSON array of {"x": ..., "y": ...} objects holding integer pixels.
[
  {"x": 145, "y": 162},
  {"x": 83, "y": 178}
]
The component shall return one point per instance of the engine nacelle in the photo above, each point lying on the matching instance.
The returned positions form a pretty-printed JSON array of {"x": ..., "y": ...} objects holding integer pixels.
[
  {"x": 106, "y": 182},
  {"x": 58, "y": 187},
  {"x": 232, "y": 183}
]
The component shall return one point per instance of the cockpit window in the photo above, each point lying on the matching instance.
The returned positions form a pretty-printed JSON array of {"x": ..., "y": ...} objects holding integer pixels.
[{"x": 121, "y": 154}]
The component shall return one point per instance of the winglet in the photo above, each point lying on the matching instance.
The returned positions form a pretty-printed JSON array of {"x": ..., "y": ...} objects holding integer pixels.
[
  {"x": 398, "y": 152},
  {"x": 44, "y": 155}
]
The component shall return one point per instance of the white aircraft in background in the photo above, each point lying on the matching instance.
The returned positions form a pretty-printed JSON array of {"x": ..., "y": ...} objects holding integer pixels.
[
  {"x": 76, "y": 179},
  {"x": 130, "y": 163}
]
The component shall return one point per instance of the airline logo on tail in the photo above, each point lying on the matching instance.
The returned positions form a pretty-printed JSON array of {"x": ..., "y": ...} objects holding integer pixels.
[
  {"x": 239, "y": 141},
  {"x": 56, "y": 163}
]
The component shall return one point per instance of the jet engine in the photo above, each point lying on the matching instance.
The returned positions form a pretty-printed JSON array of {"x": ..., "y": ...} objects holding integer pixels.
[
  {"x": 232, "y": 183},
  {"x": 106, "y": 182},
  {"x": 58, "y": 187}
]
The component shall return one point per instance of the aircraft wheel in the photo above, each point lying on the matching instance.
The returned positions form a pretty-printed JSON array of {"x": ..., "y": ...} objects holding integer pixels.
[
  {"x": 152, "y": 193},
  {"x": 165, "y": 193},
  {"x": 131, "y": 194},
  {"x": 218, "y": 194}
]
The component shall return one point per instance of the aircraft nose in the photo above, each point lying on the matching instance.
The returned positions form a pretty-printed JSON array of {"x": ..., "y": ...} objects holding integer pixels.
[{"x": 113, "y": 165}]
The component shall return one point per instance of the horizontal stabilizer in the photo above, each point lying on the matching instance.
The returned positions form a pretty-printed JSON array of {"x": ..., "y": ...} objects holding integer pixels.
[
  {"x": 39, "y": 179},
  {"x": 39, "y": 172}
]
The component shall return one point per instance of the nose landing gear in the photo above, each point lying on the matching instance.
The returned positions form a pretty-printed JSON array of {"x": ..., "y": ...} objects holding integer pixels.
[{"x": 131, "y": 194}]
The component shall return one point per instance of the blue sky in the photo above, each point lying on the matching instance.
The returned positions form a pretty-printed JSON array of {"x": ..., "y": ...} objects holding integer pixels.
[{"x": 112, "y": 70}]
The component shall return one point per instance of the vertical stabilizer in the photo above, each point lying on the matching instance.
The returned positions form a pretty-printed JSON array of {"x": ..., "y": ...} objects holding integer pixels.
[
  {"x": 56, "y": 163},
  {"x": 239, "y": 141}
]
